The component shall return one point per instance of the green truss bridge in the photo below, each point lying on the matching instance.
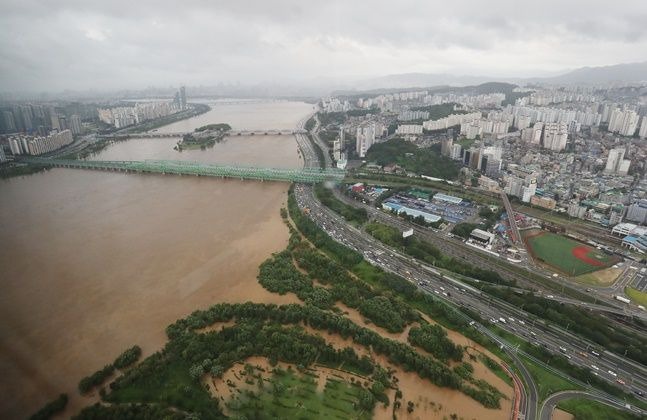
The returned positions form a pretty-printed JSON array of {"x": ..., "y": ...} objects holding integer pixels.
[{"x": 305, "y": 175}]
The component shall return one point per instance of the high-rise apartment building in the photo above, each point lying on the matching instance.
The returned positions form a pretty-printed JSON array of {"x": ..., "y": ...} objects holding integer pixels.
[
  {"x": 365, "y": 138},
  {"x": 8, "y": 122},
  {"x": 182, "y": 97},
  {"x": 643, "y": 128},
  {"x": 637, "y": 211},
  {"x": 555, "y": 136},
  {"x": 613, "y": 160},
  {"x": 624, "y": 123},
  {"x": 75, "y": 124},
  {"x": 446, "y": 146}
]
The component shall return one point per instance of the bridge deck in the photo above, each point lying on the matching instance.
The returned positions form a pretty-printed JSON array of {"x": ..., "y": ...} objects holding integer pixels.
[
  {"x": 306, "y": 175},
  {"x": 238, "y": 132}
]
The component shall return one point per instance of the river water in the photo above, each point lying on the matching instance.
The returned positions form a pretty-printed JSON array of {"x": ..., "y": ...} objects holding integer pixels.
[{"x": 94, "y": 262}]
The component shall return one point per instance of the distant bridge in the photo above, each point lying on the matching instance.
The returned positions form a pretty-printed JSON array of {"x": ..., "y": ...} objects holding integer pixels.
[
  {"x": 305, "y": 175},
  {"x": 240, "y": 132}
]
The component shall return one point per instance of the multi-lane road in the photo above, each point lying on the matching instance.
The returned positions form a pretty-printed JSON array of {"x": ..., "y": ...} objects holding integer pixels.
[
  {"x": 458, "y": 249},
  {"x": 581, "y": 353}
]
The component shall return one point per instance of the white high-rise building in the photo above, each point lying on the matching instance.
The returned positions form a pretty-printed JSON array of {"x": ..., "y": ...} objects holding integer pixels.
[
  {"x": 456, "y": 152},
  {"x": 555, "y": 136},
  {"x": 409, "y": 129},
  {"x": 613, "y": 161},
  {"x": 643, "y": 128},
  {"x": 365, "y": 139},
  {"x": 75, "y": 124},
  {"x": 624, "y": 123}
]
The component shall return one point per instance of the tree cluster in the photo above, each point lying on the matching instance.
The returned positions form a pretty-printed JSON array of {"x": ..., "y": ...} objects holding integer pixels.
[
  {"x": 51, "y": 408},
  {"x": 433, "y": 338},
  {"x": 350, "y": 213}
]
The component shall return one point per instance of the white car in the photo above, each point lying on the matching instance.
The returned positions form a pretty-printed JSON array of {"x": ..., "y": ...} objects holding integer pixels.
[{"x": 595, "y": 367}]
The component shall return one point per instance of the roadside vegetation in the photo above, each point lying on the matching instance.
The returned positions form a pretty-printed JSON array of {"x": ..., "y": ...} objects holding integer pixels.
[
  {"x": 579, "y": 321},
  {"x": 585, "y": 409},
  {"x": 636, "y": 295},
  {"x": 354, "y": 215},
  {"x": 547, "y": 382},
  {"x": 429, "y": 254}
]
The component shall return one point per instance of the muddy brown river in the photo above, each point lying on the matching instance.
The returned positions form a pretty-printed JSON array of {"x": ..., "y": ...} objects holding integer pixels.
[{"x": 95, "y": 262}]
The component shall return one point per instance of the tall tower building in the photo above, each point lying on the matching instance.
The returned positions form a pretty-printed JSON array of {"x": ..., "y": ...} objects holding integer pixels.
[
  {"x": 446, "y": 146},
  {"x": 643, "y": 128},
  {"x": 8, "y": 122},
  {"x": 365, "y": 139},
  {"x": 555, "y": 136},
  {"x": 183, "y": 97},
  {"x": 613, "y": 161},
  {"x": 75, "y": 124}
]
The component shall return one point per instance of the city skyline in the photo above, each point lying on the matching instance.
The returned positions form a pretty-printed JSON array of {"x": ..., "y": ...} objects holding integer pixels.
[{"x": 98, "y": 46}]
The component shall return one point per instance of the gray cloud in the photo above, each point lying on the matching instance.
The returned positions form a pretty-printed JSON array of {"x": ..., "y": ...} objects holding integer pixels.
[{"x": 78, "y": 44}]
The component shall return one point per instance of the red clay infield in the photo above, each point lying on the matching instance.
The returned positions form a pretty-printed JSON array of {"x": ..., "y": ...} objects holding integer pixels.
[{"x": 580, "y": 252}]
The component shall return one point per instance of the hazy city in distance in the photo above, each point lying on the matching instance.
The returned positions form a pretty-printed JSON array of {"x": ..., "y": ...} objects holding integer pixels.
[{"x": 310, "y": 210}]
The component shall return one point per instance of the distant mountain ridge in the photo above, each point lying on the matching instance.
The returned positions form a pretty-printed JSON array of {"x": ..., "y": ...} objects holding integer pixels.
[{"x": 629, "y": 72}]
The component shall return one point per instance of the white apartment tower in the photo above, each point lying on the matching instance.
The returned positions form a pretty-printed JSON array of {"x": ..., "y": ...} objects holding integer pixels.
[
  {"x": 555, "y": 136},
  {"x": 365, "y": 139},
  {"x": 613, "y": 161},
  {"x": 643, "y": 128}
]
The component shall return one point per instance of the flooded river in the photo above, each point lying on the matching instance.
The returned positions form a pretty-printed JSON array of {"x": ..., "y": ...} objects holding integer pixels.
[{"x": 94, "y": 262}]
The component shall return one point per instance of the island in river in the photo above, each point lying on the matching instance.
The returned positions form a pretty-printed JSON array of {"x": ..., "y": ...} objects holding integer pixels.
[{"x": 203, "y": 137}]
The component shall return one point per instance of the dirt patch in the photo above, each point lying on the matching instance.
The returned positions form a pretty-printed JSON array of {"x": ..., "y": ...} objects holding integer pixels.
[
  {"x": 581, "y": 253},
  {"x": 604, "y": 277},
  {"x": 561, "y": 415}
]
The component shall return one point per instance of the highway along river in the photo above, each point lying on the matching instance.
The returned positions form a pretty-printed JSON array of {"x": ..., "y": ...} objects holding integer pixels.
[{"x": 95, "y": 262}]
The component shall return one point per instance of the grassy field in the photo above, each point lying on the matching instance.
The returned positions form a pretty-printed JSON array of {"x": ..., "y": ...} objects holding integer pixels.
[
  {"x": 604, "y": 277},
  {"x": 566, "y": 255},
  {"x": 290, "y": 395},
  {"x": 547, "y": 382},
  {"x": 581, "y": 408},
  {"x": 637, "y": 296}
]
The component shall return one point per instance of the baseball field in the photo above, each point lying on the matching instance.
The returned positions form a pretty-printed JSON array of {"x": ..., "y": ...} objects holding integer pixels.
[{"x": 566, "y": 255}]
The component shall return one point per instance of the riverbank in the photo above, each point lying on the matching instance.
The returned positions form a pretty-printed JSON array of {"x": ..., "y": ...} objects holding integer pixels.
[{"x": 121, "y": 256}]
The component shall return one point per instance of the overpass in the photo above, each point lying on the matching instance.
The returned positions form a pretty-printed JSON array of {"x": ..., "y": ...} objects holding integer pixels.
[
  {"x": 515, "y": 237},
  {"x": 239, "y": 132},
  {"x": 305, "y": 175}
]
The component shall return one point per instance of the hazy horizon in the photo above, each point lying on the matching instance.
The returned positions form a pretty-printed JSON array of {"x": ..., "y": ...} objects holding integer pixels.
[{"x": 83, "y": 45}]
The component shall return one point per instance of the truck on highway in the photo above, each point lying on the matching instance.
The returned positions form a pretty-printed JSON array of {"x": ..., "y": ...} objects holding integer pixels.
[{"x": 621, "y": 299}]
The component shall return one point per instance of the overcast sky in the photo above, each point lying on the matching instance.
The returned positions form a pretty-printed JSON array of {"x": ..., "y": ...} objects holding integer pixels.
[{"x": 110, "y": 44}]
